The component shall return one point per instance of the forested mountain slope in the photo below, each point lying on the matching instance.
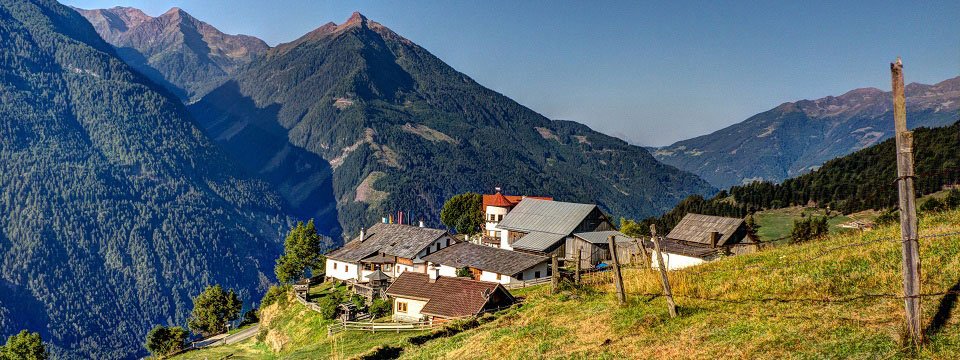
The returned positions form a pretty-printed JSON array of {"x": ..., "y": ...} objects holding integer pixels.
[
  {"x": 356, "y": 116},
  {"x": 797, "y": 137},
  {"x": 115, "y": 208},
  {"x": 860, "y": 181},
  {"x": 174, "y": 49}
]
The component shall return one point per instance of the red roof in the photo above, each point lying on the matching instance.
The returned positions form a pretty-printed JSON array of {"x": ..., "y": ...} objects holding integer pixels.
[{"x": 501, "y": 200}]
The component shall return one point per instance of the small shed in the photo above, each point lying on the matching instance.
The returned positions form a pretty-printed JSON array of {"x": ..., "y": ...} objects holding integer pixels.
[
  {"x": 301, "y": 288},
  {"x": 596, "y": 247},
  {"x": 700, "y": 238}
]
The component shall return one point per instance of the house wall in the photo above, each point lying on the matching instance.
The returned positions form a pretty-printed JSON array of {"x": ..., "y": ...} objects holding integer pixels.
[
  {"x": 413, "y": 309},
  {"x": 676, "y": 261},
  {"x": 343, "y": 271},
  {"x": 530, "y": 274},
  {"x": 491, "y": 225},
  {"x": 436, "y": 245}
]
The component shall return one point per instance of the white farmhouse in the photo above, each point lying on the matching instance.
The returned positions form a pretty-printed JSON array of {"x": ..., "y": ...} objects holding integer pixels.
[
  {"x": 390, "y": 248},
  {"x": 487, "y": 263}
]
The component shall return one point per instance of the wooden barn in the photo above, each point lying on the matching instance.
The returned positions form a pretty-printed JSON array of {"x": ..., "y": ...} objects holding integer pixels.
[
  {"x": 596, "y": 249},
  {"x": 700, "y": 238}
]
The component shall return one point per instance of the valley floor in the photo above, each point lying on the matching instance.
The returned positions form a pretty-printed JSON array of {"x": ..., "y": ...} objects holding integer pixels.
[{"x": 834, "y": 298}]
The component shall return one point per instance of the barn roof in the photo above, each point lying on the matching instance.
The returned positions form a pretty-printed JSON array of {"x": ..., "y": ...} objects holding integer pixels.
[
  {"x": 485, "y": 258},
  {"x": 447, "y": 297},
  {"x": 404, "y": 241},
  {"x": 554, "y": 217},
  {"x": 537, "y": 241},
  {"x": 696, "y": 227},
  {"x": 600, "y": 237}
]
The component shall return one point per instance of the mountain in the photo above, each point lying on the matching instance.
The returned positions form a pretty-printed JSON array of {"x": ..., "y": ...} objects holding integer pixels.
[
  {"x": 359, "y": 118},
  {"x": 115, "y": 208},
  {"x": 174, "y": 49},
  {"x": 863, "y": 180},
  {"x": 797, "y": 137}
]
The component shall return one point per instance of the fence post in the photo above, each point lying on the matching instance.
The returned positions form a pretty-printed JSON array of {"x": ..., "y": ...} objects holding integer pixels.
[
  {"x": 554, "y": 275},
  {"x": 643, "y": 253},
  {"x": 617, "y": 277},
  {"x": 908, "y": 210},
  {"x": 576, "y": 277},
  {"x": 663, "y": 273}
]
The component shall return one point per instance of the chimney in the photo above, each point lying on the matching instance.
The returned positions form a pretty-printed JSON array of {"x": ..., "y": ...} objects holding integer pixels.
[
  {"x": 497, "y": 188},
  {"x": 363, "y": 234},
  {"x": 434, "y": 273},
  {"x": 713, "y": 237},
  {"x": 421, "y": 223}
]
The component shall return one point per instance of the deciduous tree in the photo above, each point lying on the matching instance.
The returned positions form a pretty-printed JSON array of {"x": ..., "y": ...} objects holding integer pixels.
[
  {"x": 463, "y": 213},
  {"x": 24, "y": 346},
  {"x": 212, "y": 309}
]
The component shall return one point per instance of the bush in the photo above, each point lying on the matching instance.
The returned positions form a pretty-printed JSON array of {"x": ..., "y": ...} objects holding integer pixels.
[
  {"x": 212, "y": 309},
  {"x": 464, "y": 272},
  {"x": 933, "y": 204},
  {"x": 274, "y": 294},
  {"x": 163, "y": 341},
  {"x": 359, "y": 302},
  {"x": 328, "y": 307},
  {"x": 953, "y": 199},
  {"x": 380, "y": 307},
  {"x": 250, "y": 317},
  {"x": 25, "y": 345},
  {"x": 808, "y": 228}
]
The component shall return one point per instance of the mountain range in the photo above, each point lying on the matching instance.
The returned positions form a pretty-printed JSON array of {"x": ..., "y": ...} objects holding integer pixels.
[
  {"x": 174, "y": 49},
  {"x": 797, "y": 137},
  {"x": 115, "y": 208},
  {"x": 352, "y": 122}
]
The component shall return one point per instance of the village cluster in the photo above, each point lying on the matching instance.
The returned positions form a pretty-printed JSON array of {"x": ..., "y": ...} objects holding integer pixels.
[{"x": 433, "y": 276}]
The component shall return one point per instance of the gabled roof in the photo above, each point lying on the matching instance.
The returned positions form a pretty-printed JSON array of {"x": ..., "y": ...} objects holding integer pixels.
[
  {"x": 501, "y": 200},
  {"x": 600, "y": 237},
  {"x": 537, "y": 241},
  {"x": 696, "y": 227},
  {"x": 447, "y": 297},
  {"x": 555, "y": 217},
  {"x": 500, "y": 261},
  {"x": 404, "y": 241}
]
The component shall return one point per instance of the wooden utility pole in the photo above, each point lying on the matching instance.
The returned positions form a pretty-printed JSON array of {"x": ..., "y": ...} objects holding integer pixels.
[
  {"x": 576, "y": 276},
  {"x": 617, "y": 277},
  {"x": 554, "y": 275},
  {"x": 663, "y": 273},
  {"x": 908, "y": 209}
]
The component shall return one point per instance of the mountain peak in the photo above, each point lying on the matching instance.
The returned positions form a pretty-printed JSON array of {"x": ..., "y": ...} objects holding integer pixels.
[{"x": 355, "y": 19}]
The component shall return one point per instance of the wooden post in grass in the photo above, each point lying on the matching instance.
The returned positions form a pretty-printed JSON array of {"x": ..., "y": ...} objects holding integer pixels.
[
  {"x": 643, "y": 253},
  {"x": 908, "y": 209},
  {"x": 554, "y": 275},
  {"x": 617, "y": 277},
  {"x": 576, "y": 276},
  {"x": 663, "y": 273}
]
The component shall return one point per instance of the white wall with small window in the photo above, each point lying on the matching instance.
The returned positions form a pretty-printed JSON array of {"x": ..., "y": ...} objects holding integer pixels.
[
  {"x": 407, "y": 310},
  {"x": 342, "y": 270},
  {"x": 538, "y": 271}
]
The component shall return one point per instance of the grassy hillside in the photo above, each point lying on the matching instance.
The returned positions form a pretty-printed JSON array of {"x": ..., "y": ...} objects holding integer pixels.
[{"x": 815, "y": 300}]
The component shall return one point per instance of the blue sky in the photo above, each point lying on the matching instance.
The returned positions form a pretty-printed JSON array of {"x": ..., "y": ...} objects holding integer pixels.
[{"x": 651, "y": 73}]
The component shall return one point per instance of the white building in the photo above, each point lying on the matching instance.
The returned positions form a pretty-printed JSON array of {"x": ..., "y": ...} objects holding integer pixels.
[
  {"x": 487, "y": 263},
  {"x": 390, "y": 248},
  {"x": 495, "y": 207},
  {"x": 697, "y": 239}
]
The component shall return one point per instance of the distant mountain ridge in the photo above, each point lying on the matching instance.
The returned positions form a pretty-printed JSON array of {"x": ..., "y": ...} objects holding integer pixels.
[
  {"x": 382, "y": 126},
  {"x": 174, "y": 49},
  {"x": 796, "y": 137}
]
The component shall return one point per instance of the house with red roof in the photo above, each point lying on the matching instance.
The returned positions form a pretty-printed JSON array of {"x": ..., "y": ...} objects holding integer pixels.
[
  {"x": 495, "y": 207},
  {"x": 434, "y": 298}
]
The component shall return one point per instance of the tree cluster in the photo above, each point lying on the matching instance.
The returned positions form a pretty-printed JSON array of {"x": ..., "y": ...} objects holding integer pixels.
[
  {"x": 302, "y": 253},
  {"x": 213, "y": 309},
  {"x": 809, "y": 228},
  {"x": 163, "y": 341},
  {"x": 24, "y": 346}
]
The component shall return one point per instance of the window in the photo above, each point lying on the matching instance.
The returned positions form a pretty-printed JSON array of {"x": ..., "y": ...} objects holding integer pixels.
[
  {"x": 520, "y": 276},
  {"x": 401, "y": 306},
  {"x": 536, "y": 275},
  {"x": 498, "y": 277},
  {"x": 334, "y": 266},
  {"x": 346, "y": 268},
  {"x": 499, "y": 217},
  {"x": 549, "y": 272},
  {"x": 448, "y": 242}
]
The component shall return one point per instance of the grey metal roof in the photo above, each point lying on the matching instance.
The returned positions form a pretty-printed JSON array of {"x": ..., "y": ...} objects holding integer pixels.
[
  {"x": 404, "y": 241},
  {"x": 600, "y": 237},
  {"x": 556, "y": 217},
  {"x": 696, "y": 227},
  {"x": 486, "y": 258},
  {"x": 538, "y": 241},
  {"x": 377, "y": 275}
]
